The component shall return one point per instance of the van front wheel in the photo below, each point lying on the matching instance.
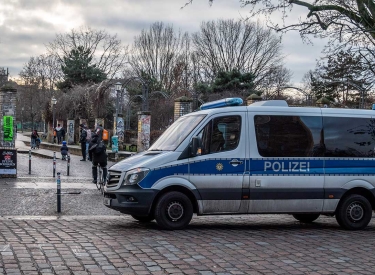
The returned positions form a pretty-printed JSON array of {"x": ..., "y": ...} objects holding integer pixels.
[
  {"x": 173, "y": 210},
  {"x": 354, "y": 212},
  {"x": 306, "y": 218}
]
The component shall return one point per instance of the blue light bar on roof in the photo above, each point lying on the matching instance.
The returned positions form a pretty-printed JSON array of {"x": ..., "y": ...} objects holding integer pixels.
[{"x": 234, "y": 101}]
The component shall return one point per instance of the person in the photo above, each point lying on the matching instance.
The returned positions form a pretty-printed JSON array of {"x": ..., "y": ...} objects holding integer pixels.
[
  {"x": 60, "y": 131},
  {"x": 34, "y": 136},
  {"x": 88, "y": 139},
  {"x": 99, "y": 131},
  {"x": 64, "y": 150},
  {"x": 37, "y": 142},
  {"x": 98, "y": 156},
  {"x": 54, "y": 135},
  {"x": 217, "y": 141},
  {"x": 82, "y": 140}
]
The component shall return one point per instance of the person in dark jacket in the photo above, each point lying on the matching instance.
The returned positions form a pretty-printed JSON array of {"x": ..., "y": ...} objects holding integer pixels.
[
  {"x": 97, "y": 157},
  {"x": 64, "y": 150},
  {"x": 82, "y": 140},
  {"x": 34, "y": 137}
]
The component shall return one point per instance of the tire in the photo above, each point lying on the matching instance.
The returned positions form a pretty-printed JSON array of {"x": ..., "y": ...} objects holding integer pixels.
[
  {"x": 99, "y": 182},
  {"x": 173, "y": 211},
  {"x": 306, "y": 218},
  {"x": 354, "y": 212},
  {"x": 98, "y": 185},
  {"x": 143, "y": 218}
]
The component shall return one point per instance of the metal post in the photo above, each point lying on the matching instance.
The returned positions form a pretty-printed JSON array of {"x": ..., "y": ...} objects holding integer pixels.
[
  {"x": 68, "y": 166},
  {"x": 58, "y": 193},
  {"x": 54, "y": 164},
  {"x": 22, "y": 119},
  {"x": 29, "y": 162},
  {"x": 127, "y": 122},
  {"x": 117, "y": 102}
]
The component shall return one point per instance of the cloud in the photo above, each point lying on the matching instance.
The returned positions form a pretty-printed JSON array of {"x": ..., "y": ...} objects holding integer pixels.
[{"x": 26, "y": 26}]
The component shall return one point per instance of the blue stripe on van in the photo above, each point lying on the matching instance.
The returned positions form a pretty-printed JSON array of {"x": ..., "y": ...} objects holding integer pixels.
[
  {"x": 267, "y": 167},
  {"x": 350, "y": 166},
  {"x": 157, "y": 174}
]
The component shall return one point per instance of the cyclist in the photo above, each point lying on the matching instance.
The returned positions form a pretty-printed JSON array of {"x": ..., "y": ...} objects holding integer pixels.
[
  {"x": 98, "y": 155},
  {"x": 34, "y": 137}
]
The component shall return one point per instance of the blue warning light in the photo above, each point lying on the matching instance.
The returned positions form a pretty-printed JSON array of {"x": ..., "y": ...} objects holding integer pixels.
[{"x": 234, "y": 101}]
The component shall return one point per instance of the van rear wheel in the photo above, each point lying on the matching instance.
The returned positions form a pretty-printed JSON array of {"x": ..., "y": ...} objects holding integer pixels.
[
  {"x": 354, "y": 212},
  {"x": 173, "y": 211},
  {"x": 306, "y": 218}
]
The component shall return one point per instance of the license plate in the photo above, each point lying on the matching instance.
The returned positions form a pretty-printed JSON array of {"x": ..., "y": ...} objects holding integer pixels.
[{"x": 107, "y": 201}]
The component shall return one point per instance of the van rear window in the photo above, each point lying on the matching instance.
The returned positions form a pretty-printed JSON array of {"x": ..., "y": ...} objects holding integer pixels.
[
  {"x": 289, "y": 136},
  {"x": 307, "y": 136}
]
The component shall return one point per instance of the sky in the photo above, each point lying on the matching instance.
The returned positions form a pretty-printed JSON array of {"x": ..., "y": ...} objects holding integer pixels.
[{"x": 26, "y": 26}]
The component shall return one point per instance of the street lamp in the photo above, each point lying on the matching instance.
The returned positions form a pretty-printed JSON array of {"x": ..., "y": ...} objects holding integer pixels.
[
  {"x": 22, "y": 118},
  {"x": 53, "y": 101},
  {"x": 118, "y": 86}
]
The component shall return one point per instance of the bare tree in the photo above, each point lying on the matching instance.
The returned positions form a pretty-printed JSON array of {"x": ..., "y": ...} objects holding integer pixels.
[
  {"x": 40, "y": 74},
  {"x": 227, "y": 45},
  {"x": 272, "y": 85},
  {"x": 350, "y": 20},
  {"x": 160, "y": 55},
  {"x": 106, "y": 50}
]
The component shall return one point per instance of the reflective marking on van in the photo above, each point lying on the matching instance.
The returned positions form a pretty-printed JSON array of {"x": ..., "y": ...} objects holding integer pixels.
[
  {"x": 312, "y": 166},
  {"x": 291, "y": 166},
  {"x": 284, "y": 166}
]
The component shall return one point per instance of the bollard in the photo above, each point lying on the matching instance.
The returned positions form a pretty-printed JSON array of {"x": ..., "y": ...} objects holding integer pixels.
[
  {"x": 29, "y": 162},
  {"x": 54, "y": 164},
  {"x": 58, "y": 193},
  {"x": 68, "y": 165}
]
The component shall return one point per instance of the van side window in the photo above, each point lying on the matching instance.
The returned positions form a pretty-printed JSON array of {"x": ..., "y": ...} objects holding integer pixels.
[
  {"x": 221, "y": 134},
  {"x": 349, "y": 137},
  {"x": 289, "y": 136}
]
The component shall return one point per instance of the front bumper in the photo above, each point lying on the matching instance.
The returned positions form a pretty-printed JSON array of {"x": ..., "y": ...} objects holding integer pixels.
[{"x": 131, "y": 199}]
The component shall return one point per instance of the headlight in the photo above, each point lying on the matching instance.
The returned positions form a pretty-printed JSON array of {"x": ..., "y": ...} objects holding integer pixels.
[{"x": 135, "y": 176}]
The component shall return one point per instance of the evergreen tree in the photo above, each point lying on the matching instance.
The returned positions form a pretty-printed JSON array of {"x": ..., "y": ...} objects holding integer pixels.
[
  {"x": 231, "y": 83},
  {"x": 78, "y": 69},
  {"x": 342, "y": 76}
]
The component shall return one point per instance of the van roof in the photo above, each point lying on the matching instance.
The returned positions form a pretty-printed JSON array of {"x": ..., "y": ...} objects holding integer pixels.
[{"x": 282, "y": 106}]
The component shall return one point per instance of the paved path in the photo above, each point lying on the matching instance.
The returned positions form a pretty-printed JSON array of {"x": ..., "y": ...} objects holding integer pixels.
[{"x": 88, "y": 238}]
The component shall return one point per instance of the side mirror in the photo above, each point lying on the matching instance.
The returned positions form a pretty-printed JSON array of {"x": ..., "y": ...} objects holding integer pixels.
[{"x": 195, "y": 147}]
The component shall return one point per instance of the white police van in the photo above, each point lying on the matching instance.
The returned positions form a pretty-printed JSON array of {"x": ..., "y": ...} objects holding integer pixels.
[{"x": 262, "y": 158}]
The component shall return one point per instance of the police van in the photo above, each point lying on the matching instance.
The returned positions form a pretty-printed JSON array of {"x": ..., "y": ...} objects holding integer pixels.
[{"x": 264, "y": 158}]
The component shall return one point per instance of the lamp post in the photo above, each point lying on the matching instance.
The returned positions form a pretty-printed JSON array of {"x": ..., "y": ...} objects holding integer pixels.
[
  {"x": 53, "y": 101},
  {"x": 22, "y": 118},
  {"x": 118, "y": 86}
]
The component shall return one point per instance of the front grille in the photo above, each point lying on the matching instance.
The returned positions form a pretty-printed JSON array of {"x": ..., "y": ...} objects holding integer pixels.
[{"x": 113, "y": 178}]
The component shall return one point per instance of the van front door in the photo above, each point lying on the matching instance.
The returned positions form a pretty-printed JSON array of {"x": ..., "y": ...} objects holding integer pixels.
[{"x": 218, "y": 173}]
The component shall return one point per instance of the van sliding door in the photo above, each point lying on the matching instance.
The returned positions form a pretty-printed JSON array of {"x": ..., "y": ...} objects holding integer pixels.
[{"x": 286, "y": 164}]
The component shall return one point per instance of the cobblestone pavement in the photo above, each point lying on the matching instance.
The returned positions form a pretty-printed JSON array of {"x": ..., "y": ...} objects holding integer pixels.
[
  {"x": 88, "y": 238},
  {"x": 210, "y": 245}
]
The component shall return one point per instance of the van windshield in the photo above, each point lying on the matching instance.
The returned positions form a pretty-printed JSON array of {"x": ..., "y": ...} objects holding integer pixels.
[{"x": 176, "y": 133}]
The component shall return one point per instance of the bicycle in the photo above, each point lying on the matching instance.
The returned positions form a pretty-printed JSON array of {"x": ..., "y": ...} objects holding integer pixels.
[{"x": 100, "y": 182}]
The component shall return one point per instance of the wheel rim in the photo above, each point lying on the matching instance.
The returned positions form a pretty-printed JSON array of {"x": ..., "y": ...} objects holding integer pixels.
[
  {"x": 175, "y": 211},
  {"x": 355, "y": 212}
]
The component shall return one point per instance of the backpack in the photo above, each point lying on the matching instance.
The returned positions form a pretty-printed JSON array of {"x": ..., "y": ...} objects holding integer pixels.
[
  {"x": 100, "y": 148},
  {"x": 88, "y": 135},
  {"x": 105, "y": 134}
]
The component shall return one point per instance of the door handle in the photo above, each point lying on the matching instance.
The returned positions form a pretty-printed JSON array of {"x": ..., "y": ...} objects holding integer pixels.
[{"x": 235, "y": 162}]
